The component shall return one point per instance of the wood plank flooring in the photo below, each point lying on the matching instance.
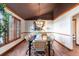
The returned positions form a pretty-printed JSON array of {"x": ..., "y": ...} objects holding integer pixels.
[
  {"x": 62, "y": 51},
  {"x": 20, "y": 50}
]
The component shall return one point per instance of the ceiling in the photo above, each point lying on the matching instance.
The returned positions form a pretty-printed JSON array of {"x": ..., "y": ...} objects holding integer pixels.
[{"x": 29, "y": 10}]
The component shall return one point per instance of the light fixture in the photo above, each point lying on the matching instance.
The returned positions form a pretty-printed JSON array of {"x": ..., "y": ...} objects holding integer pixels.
[
  {"x": 39, "y": 23},
  {"x": 39, "y": 9}
]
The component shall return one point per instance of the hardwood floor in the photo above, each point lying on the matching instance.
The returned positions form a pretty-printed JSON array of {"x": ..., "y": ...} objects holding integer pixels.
[
  {"x": 20, "y": 50},
  {"x": 62, "y": 51}
]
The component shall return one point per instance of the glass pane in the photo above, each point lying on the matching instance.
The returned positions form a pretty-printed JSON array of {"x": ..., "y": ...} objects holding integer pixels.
[
  {"x": 11, "y": 28},
  {"x": 18, "y": 28},
  {"x": 1, "y": 28},
  {"x": 4, "y": 27}
]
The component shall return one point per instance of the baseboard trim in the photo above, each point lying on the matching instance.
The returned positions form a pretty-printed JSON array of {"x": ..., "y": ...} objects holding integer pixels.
[
  {"x": 63, "y": 45},
  {"x": 77, "y": 44}
]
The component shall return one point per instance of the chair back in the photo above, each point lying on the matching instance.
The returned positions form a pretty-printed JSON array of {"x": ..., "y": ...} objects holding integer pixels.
[{"x": 39, "y": 45}]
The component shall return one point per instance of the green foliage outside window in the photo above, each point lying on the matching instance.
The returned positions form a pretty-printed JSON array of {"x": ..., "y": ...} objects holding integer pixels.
[
  {"x": 4, "y": 27},
  {"x": 1, "y": 25},
  {"x": 2, "y": 6}
]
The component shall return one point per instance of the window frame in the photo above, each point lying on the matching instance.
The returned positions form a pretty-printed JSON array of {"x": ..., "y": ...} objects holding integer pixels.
[{"x": 15, "y": 33}]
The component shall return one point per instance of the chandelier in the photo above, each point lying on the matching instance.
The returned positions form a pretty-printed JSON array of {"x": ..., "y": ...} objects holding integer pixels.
[{"x": 39, "y": 23}]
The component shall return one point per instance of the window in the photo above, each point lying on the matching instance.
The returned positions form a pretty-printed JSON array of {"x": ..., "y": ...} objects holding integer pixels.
[
  {"x": 11, "y": 28},
  {"x": 14, "y": 28},
  {"x": 4, "y": 31},
  {"x": 1, "y": 28},
  {"x": 18, "y": 28}
]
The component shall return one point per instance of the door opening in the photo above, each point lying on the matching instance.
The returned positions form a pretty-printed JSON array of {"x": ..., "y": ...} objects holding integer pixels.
[{"x": 74, "y": 27}]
